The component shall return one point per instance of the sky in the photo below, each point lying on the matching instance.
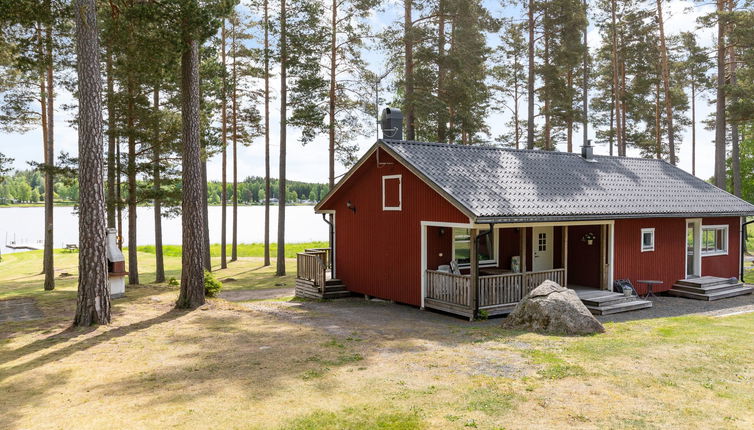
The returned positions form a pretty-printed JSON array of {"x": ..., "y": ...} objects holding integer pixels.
[{"x": 310, "y": 162}]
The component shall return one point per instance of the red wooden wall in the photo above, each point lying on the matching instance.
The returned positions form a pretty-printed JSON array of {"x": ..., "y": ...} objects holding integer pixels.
[
  {"x": 667, "y": 263},
  {"x": 379, "y": 252}
]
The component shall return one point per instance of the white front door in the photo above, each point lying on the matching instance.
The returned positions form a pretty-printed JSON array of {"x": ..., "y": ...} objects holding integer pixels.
[{"x": 541, "y": 248}]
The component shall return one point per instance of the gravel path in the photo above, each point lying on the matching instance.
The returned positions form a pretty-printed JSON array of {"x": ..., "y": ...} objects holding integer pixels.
[
  {"x": 264, "y": 294},
  {"x": 667, "y": 306}
]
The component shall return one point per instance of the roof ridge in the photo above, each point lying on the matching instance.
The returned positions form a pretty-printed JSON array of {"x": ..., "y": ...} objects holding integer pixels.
[{"x": 487, "y": 146}]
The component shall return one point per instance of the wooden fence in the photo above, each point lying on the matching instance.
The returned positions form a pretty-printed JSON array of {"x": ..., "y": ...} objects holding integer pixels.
[{"x": 494, "y": 290}]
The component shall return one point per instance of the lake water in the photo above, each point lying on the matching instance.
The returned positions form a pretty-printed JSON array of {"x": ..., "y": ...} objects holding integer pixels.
[{"x": 26, "y": 225}]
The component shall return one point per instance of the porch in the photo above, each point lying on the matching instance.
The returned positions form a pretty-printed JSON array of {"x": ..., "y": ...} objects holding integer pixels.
[
  {"x": 510, "y": 260},
  {"x": 314, "y": 276}
]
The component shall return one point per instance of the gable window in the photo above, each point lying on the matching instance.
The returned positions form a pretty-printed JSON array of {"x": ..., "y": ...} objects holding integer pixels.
[
  {"x": 714, "y": 240},
  {"x": 647, "y": 239},
  {"x": 462, "y": 248},
  {"x": 392, "y": 194}
]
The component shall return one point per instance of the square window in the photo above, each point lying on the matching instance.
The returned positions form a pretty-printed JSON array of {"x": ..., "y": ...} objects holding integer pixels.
[
  {"x": 462, "y": 248},
  {"x": 647, "y": 239},
  {"x": 714, "y": 240}
]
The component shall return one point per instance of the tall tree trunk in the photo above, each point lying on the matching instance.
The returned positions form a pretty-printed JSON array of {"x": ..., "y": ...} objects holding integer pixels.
[
  {"x": 133, "y": 264},
  {"x": 408, "y": 45},
  {"x": 658, "y": 123},
  {"x": 693, "y": 126},
  {"x": 332, "y": 94},
  {"x": 623, "y": 110},
  {"x": 192, "y": 260},
  {"x": 530, "y": 81},
  {"x": 224, "y": 140},
  {"x": 666, "y": 83},
  {"x": 616, "y": 89},
  {"x": 234, "y": 130},
  {"x": 266, "y": 133},
  {"x": 547, "y": 92},
  {"x": 735, "y": 153},
  {"x": 611, "y": 138},
  {"x": 110, "y": 141},
  {"x": 48, "y": 264},
  {"x": 720, "y": 145},
  {"x": 516, "y": 129},
  {"x": 93, "y": 300},
  {"x": 118, "y": 197},
  {"x": 569, "y": 120},
  {"x": 442, "y": 122},
  {"x": 205, "y": 218},
  {"x": 283, "y": 129},
  {"x": 585, "y": 101},
  {"x": 156, "y": 188}
]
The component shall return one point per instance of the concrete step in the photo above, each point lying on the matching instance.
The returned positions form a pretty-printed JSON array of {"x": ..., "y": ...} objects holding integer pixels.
[
  {"x": 740, "y": 291},
  {"x": 633, "y": 305},
  {"x": 707, "y": 289}
]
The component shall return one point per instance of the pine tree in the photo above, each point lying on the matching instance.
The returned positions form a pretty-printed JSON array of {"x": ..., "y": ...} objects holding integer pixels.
[{"x": 694, "y": 67}]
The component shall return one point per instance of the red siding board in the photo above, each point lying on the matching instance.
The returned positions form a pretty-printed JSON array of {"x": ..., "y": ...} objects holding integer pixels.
[
  {"x": 379, "y": 252},
  {"x": 667, "y": 263}
]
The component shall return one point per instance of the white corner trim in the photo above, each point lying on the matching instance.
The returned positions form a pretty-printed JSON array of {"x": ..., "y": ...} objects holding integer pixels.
[{"x": 400, "y": 193}]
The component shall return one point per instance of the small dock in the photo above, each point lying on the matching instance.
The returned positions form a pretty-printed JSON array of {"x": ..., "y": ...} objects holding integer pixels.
[{"x": 27, "y": 246}]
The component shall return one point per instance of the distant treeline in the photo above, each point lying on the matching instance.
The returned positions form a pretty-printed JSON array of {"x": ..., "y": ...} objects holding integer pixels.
[{"x": 27, "y": 186}]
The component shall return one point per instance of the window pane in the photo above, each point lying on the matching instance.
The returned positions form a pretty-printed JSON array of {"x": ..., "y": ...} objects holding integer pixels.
[{"x": 461, "y": 243}]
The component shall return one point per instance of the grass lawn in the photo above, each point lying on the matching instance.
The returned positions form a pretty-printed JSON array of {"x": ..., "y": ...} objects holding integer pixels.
[{"x": 292, "y": 366}]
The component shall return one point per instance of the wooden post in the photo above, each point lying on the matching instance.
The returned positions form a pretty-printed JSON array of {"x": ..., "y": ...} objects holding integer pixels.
[
  {"x": 474, "y": 253},
  {"x": 522, "y": 248},
  {"x": 565, "y": 256}
]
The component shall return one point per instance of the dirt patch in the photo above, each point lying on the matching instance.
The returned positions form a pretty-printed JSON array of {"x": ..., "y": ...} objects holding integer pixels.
[
  {"x": 264, "y": 294},
  {"x": 19, "y": 310}
]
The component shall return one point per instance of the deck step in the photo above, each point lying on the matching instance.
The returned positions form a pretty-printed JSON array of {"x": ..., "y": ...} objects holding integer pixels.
[
  {"x": 626, "y": 306},
  {"x": 707, "y": 288},
  {"x": 715, "y": 295},
  {"x": 607, "y": 299},
  {"x": 334, "y": 289},
  {"x": 706, "y": 282}
]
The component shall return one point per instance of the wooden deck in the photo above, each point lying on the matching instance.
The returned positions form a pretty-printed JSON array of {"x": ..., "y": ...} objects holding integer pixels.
[{"x": 498, "y": 294}]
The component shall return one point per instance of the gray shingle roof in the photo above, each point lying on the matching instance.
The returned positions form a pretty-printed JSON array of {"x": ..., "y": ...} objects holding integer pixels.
[{"x": 492, "y": 182}]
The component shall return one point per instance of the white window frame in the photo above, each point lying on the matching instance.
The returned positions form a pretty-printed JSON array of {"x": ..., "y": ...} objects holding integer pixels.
[
  {"x": 482, "y": 263},
  {"x": 400, "y": 193},
  {"x": 726, "y": 239},
  {"x": 643, "y": 232}
]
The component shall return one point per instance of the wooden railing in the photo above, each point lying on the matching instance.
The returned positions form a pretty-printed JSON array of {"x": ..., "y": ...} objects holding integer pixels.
[
  {"x": 310, "y": 266},
  {"x": 455, "y": 289},
  {"x": 512, "y": 287},
  {"x": 508, "y": 288},
  {"x": 324, "y": 253}
]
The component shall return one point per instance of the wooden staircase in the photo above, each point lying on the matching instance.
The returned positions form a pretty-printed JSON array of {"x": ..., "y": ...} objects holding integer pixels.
[
  {"x": 334, "y": 289},
  {"x": 709, "y": 288},
  {"x": 313, "y": 276},
  {"x": 602, "y": 302}
]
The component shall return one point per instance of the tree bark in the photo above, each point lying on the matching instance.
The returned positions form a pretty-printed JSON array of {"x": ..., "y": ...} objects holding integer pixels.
[
  {"x": 442, "y": 123},
  {"x": 48, "y": 264},
  {"x": 332, "y": 94},
  {"x": 616, "y": 91},
  {"x": 156, "y": 188},
  {"x": 585, "y": 101},
  {"x": 530, "y": 81},
  {"x": 224, "y": 140},
  {"x": 735, "y": 153},
  {"x": 93, "y": 300},
  {"x": 408, "y": 45},
  {"x": 192, "y": 273},
  {"x": 133, "y": 263},
  {"x": 205, "y": 218},
  {"x": 658, "y": 123},
  {"x": 693, "y": 126},
  {"x": 283, "y": 129},
  {"x": 666, "y": 83},
  {"x": 720, "y": 144},
  {"x": 266, "y": 133},
  {"x": 234, "y": 130},
  {"x": 118, "y": 205},
  {"x": 110, "y": 141}
]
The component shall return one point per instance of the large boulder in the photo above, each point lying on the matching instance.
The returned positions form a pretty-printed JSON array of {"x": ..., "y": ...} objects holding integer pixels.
[{"x": 551, "y": 308}]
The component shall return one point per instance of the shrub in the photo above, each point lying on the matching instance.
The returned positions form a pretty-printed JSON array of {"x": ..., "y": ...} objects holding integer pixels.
[
  {"x": 173, "y": 282},
  {"x": 211, "y": 285}
]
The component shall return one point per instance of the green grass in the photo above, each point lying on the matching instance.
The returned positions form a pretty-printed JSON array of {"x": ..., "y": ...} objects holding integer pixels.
[
  {"x": 362, "y": 418},
  {"x": 244, "y": 249}
]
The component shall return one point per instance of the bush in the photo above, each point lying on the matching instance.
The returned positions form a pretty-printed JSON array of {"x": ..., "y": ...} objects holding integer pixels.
[
  {"x": 211, "y": 285},
  {"x": 173, "y": 282}
]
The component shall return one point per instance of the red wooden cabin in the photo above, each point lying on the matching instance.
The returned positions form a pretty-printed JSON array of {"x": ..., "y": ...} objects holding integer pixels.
[{"x": 407, "y": 209}]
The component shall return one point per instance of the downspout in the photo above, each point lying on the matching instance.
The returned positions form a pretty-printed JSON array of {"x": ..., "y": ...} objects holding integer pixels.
[
  {"x": 741, "y": 246},
  {"x": 476, "y": 286},
  {"x": 332, "y": 246}
]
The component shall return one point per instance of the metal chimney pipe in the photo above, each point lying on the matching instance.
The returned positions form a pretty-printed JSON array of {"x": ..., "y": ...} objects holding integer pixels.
[{"x": 392, "y": 124}]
